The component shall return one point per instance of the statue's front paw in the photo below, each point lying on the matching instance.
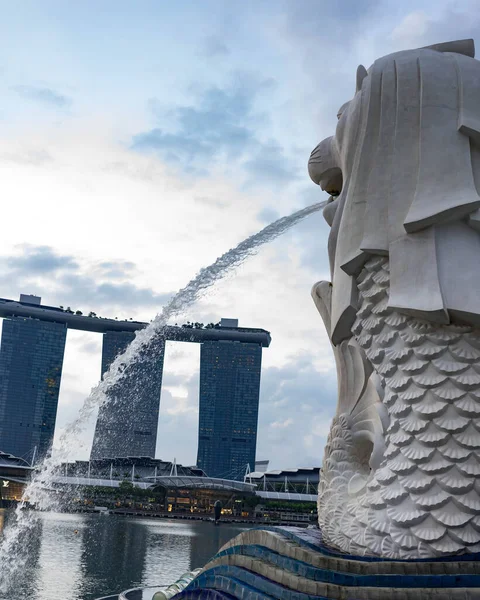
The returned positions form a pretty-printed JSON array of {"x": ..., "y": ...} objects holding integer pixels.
[{"x": 322, "y": 296}]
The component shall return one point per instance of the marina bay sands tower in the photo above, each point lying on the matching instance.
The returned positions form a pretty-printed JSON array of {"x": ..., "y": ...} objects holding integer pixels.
[
  {"x": 31, "y": 360},
  {"x": 230, "y": 365},
  {"x": 127, "y": 425}
]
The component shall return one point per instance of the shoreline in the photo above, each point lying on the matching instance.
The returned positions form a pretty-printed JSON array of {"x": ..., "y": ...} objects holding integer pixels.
[{"x": 128, "y": 512}]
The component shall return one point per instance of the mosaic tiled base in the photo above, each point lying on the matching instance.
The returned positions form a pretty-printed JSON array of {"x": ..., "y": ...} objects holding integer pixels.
[{"x": 290, "y": 563}]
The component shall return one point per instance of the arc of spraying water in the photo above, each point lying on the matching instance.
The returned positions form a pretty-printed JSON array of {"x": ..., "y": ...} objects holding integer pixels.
[{"x": 15, "y": 538}]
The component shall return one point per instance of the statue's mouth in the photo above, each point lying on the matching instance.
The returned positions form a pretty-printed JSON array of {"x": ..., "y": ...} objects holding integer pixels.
[{"x": 332, "y": 182}]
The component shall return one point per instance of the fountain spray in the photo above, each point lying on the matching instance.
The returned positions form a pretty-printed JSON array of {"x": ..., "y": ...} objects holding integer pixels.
[{"x": 14, "y": 545}]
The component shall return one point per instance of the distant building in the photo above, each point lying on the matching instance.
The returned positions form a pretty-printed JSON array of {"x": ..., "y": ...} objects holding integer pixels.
[
  {"x": 230, "y": 364},
  {"x": 31, "y": 358},
  {"x": 229, "y": 323},
  {"x": 286, "y": 482},
  {"x": 229, "y": 394},
  {"x": 31, "y": 299},
  {"x": 186, "y": 489},
  {"x": 127, "y": 424},
  {"x": 261, "y": 466},
  {"x": 130, "y": 468}
]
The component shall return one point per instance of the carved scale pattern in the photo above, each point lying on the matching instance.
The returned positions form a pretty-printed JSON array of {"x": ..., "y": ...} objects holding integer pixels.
[{"x": 424, "y": 499}]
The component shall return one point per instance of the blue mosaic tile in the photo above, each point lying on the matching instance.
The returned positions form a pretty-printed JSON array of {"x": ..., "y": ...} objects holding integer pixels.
[
  {"x": 247, "y": 584},
  {"x": 308, "y": 571},
  {"x": 229, "y": 581},
  {"x": 312, "y": 538}
]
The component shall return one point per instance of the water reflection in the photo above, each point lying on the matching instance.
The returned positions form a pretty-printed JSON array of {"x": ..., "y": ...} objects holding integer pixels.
[
  {"x": 166, "y": 540},
  {"x": 113, "y": 555},
  {"x": 60, "y": 556},
  {"x": 83, "y": 557},
  {"x": 208, "y": 540}
]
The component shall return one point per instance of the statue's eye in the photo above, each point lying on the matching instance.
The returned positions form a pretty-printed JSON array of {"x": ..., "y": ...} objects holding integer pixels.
[{"x": 342, "y": 109}]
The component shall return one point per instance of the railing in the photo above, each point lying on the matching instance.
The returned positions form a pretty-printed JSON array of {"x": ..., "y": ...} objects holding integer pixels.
[{"x": 145, "y": 593}]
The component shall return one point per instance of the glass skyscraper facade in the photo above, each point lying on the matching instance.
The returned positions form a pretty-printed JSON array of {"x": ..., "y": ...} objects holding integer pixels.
[
  {"x": 127, "y": 424},
  {"x": 31, "y": 359},
  {"x": 229, "y": 395}
]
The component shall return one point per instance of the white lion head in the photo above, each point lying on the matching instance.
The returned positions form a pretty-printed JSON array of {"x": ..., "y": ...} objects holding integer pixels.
[{"x": 404, "y": 172}]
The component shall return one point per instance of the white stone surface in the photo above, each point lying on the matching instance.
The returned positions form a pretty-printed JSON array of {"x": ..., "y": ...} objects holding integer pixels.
[{"x": 401, "y": 474}]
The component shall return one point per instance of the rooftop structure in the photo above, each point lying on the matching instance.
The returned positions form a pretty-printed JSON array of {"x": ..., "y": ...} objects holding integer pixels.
[
  {"x": 14, "y": 474},
  {"x": 261, "y": 466},
  {"x": 299, "y": 484},
  {"x": 145, "y": 473},
  {"x": 30, "y": 306},
  {"x": 10, "y": 462},
  {"x": 125, "y": 467}
]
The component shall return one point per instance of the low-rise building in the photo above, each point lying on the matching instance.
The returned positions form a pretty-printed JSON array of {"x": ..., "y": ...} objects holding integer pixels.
[{"x": 14, "y": 476}]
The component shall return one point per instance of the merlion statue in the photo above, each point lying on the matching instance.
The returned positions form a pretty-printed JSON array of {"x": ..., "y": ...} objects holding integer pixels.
[{"x": 401, "y": 471}]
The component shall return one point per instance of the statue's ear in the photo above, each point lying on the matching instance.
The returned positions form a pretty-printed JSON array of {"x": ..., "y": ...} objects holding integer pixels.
[
  {"x": 322, "y": 297},
  {"x": 465, "y": 47},
  {"x": 361, "y": 74}
]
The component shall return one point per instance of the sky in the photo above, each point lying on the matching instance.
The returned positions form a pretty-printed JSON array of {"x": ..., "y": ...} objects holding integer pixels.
[{"x": 141, "y": 140}]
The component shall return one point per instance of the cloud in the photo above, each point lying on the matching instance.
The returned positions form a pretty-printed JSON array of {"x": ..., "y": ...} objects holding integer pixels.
[
  {"x": 220, "y": 128},
  {"x": 43, "y": 95},
  {"x": 211, "y": 202},
  {"x": 116, "y": 269},
  {"x": 270, "y": 165},
  {"x": 39, "y": 260},
  {"x": 72, "y": 282},
  {"x": 178, "y": 421},
  {"x": 326, "y": 21},
  {"x": 214, "y": 46},
  {"x": 282, "y": 424},
  {"x": 268, "y": 215},
  {"x": 425, "y": 26},
  {"x": 412, "y": 26},
  {"x": 218, "y": 124},
  {"x": 33, "y": 157},
  {"x": 297, "y": 404},
  {"x": 87, "y": 345},
  {"x": 85, "y": 289}
]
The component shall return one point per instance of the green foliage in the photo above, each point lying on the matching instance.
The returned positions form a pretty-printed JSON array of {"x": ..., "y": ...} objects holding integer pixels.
[
  {"x": 126, "y": 486},
  {"x": 251, "y": 501},
  {"x": 126, "y": 491}
]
